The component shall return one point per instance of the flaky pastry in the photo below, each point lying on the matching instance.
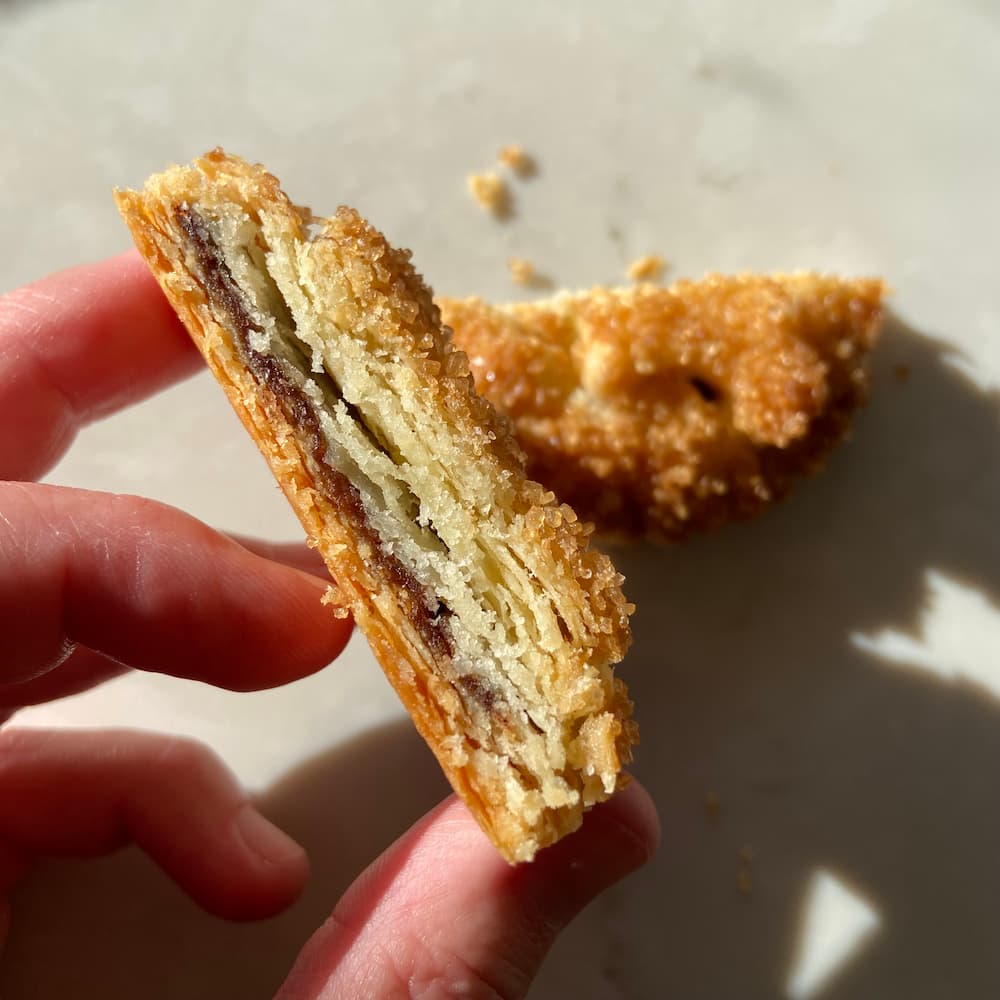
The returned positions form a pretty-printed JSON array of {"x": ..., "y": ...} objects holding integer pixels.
[{"x": 495, "y": 622}]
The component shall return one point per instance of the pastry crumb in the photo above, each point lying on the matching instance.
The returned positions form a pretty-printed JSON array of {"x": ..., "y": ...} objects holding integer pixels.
[
  {"x": 647, "y": 268},
  {"x": 713, "y": 805},
  {"x": 489, "y": 191},
  {"x": 515, "y": 158},
  {"x": 522, "y": 272}
]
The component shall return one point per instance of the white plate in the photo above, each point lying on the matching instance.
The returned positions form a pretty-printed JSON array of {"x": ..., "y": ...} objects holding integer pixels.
[{"x": 829, "y": 671}]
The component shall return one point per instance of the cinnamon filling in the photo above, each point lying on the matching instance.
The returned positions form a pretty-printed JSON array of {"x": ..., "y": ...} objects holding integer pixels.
[
  {"x": 478, "y": 691},
  {"x": 429, "y": 618}
]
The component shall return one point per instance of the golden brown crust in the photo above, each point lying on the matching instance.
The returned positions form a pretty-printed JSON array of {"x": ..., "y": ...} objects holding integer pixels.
[
  {"x": 661, "y": 412},
  {"x": 349, "y": 270}
]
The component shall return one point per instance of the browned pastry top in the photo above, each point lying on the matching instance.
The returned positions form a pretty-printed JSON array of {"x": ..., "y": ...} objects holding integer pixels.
[{"x": 662, "y": 411}]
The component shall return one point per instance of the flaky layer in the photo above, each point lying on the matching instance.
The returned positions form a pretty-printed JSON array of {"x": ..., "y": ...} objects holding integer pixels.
[
  {"x": 495, "y": 622},
  {"x": 661, "y": 412}
]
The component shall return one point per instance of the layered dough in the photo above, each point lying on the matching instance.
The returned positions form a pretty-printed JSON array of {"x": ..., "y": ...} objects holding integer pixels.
[
  {"x": 493, "y": 619},
  {"x": 662, "y": 412}
]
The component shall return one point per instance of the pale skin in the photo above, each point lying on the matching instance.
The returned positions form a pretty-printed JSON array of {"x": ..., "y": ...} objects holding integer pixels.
[{"x": 92, "y": 585}]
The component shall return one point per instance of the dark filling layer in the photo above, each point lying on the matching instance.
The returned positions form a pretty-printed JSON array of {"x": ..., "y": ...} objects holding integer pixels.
[
  {"x": 339, "y": 491},
  {"x": 478, "y": 690}
]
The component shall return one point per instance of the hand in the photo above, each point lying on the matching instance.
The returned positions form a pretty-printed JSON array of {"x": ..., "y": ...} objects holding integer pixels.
[{"x": 92, "y": 585}]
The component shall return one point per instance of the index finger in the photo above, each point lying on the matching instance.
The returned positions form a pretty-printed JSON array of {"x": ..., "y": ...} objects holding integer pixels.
[{"x": 77, "y": 346}]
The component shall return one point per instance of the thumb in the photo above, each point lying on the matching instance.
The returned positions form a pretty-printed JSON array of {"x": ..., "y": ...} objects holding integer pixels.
[{"x": 441, "y": 914}]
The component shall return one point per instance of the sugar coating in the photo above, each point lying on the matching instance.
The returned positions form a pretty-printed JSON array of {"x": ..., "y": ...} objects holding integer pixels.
[
  {"x": 518, "y": 697},
  {"x": 663, "y": 412}
]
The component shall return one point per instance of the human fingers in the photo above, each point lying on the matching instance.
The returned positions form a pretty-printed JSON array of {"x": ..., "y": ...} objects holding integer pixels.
[
  {"x": 298, "y": 555},
  {"x": 148, "y": 586},
  {"x": 86, "y": 793},
  {"x": 76, "y": 346},
  {"x": 80, "y": 671},
  {"x": 440, "y": 914}
]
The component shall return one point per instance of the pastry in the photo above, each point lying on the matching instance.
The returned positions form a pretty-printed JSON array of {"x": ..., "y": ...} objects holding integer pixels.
[
  {"x": 495, "y": 622},
  {"x": 662, "y": 412}
]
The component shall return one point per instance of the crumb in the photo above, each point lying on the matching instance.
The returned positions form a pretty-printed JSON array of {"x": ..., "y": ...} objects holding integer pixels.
[
  {"x": 646, "y": 268},
  {"x": 522, "y": 272},
  {"x": 713, "y": 805},
  {"x": 744, "y": 881},
  {"x": 902, "y": 372},
  {"x": 515, "y": 158},
  {"x": 745, "y": 854},
  {"x": 490, "y": 192}
]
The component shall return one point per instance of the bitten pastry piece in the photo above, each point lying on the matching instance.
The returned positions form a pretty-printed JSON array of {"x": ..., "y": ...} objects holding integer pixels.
[
  {"x": 495, "y": 623},
  {"x": 661, "y": 412}
]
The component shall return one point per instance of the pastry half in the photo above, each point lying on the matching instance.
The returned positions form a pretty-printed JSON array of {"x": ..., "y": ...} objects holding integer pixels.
[
  {"x": 495, "y": 622},
  {"x": 663, "y": 412}
]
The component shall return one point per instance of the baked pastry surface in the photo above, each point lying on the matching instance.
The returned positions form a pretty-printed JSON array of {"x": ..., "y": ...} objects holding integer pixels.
[
  {"x": 662, "y": 412},
  {"x": 495, "y": 622}
]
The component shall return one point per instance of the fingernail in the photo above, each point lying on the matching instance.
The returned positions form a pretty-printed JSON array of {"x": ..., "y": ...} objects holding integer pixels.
[{"x": 263, "y": 838}]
